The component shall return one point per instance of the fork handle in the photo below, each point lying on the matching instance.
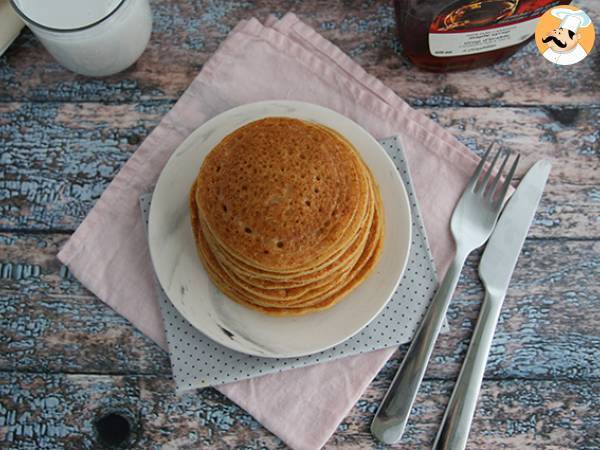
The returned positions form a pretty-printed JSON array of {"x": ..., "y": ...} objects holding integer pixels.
[
  {"x": 456, "y": 423},
  {"x": 392, "y": 415}
]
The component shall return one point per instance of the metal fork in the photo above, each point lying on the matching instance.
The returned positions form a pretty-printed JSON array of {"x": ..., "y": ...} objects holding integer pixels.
[{"x": 472, "y": 223}]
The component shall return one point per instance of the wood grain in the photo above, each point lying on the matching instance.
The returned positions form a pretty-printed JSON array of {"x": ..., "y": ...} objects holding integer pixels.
[
  {"x": 548, "y": 328},
  {"x": 50, "y": 411},
  {"x": 187, "y": 32},
  {"x": 57, "y": 159}
]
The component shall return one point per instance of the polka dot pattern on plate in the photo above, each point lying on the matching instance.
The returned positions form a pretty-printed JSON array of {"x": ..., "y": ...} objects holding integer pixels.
[{"x": 198, "y": 362}]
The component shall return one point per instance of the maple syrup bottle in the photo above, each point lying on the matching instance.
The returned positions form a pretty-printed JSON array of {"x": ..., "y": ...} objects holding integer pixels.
[{"x": 448, "y": 35}]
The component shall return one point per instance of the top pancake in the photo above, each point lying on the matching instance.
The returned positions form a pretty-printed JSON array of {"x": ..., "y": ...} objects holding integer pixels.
[{"x": 282, "y": 194}]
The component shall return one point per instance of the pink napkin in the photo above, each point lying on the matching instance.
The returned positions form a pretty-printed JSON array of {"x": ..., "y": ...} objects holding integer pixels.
[{"x": 285, "y": 59}]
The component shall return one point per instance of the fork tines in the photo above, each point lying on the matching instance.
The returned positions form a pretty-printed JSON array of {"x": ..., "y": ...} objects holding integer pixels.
[{"x": 487, "y": 185}]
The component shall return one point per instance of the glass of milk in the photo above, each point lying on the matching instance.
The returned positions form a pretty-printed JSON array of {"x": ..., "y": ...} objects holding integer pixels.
[{"x": 90, "y": 37}]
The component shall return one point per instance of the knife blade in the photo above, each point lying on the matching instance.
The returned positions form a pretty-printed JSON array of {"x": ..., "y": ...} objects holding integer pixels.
[
  {"x": 504, "y": 246},
  {"x": 495, "y": 270}
]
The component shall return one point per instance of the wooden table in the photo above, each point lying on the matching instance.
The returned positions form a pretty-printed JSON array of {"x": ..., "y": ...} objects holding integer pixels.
[{"x": 66, "y": 359}]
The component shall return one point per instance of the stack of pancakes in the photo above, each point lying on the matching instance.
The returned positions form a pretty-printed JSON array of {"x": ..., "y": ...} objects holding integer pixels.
[{"x": 287, "y": 217}]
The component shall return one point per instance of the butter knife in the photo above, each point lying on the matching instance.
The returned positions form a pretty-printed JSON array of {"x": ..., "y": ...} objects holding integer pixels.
[{"x": 495, "y": 270}]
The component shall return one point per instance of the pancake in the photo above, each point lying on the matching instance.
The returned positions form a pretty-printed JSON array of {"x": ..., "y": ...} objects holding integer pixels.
[
  {"x": 360, "y": 271},
  {"x": 276, "y": 280},
  {"x": 286, "y": 216},
  {"x": 271, "y": 294},
  {"x": 282, "y": 195}
]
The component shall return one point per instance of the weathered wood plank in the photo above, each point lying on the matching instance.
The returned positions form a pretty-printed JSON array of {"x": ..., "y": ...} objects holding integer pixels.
[
  {"x": 41, "y": 411},
  {"x": 51, "y": 411},
  {"x": 57, "y": 159},
  {"x": 53, "y": 173},
  {"x": 187, "y": 32},
  {"x": 512, "y": 414},
  {"x": 45, "y": 310},
  {"x": 568, "y": 136},
  {"x": 548, "y": 328}
]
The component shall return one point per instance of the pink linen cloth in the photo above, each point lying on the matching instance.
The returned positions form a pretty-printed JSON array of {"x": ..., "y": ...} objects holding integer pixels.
[{"x": 284, "y": 59}]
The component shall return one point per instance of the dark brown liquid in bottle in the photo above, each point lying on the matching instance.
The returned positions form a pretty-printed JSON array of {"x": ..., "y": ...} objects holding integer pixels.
[{"x": 415, "y": 19}]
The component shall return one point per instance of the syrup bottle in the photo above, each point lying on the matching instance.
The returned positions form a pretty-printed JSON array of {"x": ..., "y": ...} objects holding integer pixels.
[{"x": 448, "y": 35}]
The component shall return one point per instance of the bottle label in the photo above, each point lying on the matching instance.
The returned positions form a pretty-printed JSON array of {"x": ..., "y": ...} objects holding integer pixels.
[{"x": 468, "y": 27}]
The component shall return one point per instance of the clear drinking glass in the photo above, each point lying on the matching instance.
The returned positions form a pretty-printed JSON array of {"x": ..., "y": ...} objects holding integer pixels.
[{"x": 95, "y": 39}]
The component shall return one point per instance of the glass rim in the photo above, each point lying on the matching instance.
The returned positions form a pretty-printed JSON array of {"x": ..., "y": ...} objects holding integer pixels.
[{"x": 28, "y": 20}]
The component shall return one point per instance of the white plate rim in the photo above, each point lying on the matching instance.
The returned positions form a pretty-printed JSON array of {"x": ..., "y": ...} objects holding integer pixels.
[{"x": 278, "y": 105}]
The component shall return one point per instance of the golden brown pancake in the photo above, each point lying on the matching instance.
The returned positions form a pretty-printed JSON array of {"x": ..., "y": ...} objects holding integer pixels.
[
  {"x": 284, "y": 279},
  {"x": 360, "y": 272},
  {"x": 282, "y": 195},
  {"x": 286, "y": 216},
  {"x": 270, "y": 296},
  {"x": 325, "y": 275}
]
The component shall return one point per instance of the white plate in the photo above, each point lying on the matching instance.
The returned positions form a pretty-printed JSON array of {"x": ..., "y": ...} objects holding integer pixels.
[{"x": 189, "y": 288}]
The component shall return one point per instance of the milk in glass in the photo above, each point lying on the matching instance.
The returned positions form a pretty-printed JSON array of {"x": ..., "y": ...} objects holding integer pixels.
[{"x": 90, "y": 37}]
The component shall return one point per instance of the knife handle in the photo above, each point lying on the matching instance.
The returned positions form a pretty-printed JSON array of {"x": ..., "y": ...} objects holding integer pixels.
[{"x": 454, "y": 431}]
